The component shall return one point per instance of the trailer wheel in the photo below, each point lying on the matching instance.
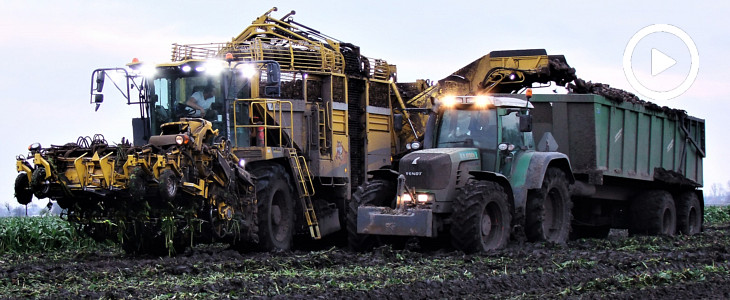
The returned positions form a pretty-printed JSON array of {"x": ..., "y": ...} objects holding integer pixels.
[
  {"x": 168, "y": 185},
  {"x": 481, "y": 218},
  {"x": 374, "y": 192},
  {"x": 275, "y": 204},
  {"x": 22, "y": 189},
  {"x": 689, "y": 214},
  {"x": 653, "y": 213},
  {"x": 548, "y": 215}
]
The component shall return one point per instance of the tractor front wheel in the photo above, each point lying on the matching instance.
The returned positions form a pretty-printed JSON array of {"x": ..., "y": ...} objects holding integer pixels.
[{"x": 481, "y": 218}]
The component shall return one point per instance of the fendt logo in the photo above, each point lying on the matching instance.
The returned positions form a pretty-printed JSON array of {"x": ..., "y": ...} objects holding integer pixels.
[
  {"x": 415, "y": 161},
  {"x": 414, "y": 173}
]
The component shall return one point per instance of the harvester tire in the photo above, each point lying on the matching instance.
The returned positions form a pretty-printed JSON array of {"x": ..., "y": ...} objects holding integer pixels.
[
  {"x": 38, "y": 183},
  {"x": 375, "y": 192},
  {"x": 689, "y": 214},
  {"x": 481, "y": 218},
  {"x": 22, "y": 189},
  {"x": 653, "y": 213},
  {"x": 138, "y": 183},
  {"x": 275, "y": 203},
  {"x": 168, "y": 186},
  {"x": 548, "y": 214}
]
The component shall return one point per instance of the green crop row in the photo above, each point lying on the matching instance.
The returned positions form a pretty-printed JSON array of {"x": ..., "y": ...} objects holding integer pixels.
[
  {"x": 38, "y": 234},
  {"x": 717, "y": 215}
]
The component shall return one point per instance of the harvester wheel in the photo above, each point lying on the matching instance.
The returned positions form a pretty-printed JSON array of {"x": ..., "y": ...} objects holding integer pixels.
[
  {"x": 375, "y": 192},
  {"x": 168, "y": 185},
  {"x": 689, "y": 214},
  {"x": 653, "y": 213},
  {"x": 22, "y": 189},
  {"x": 548, "y": 213},
  {"x": 276, "y": 205},
  {"x": 39, "y": 184},
  {"x": 137, "y": 183},
  {"x": 481, "y": 218}
]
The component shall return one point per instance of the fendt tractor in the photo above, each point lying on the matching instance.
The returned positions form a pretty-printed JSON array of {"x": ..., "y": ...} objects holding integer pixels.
[
  {"x": 496, "y": 165},
  {"x": 293, "y": 119}
]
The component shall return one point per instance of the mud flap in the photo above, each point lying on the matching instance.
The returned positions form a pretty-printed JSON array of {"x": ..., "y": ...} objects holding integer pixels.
[{"x": 386, "y": 221}]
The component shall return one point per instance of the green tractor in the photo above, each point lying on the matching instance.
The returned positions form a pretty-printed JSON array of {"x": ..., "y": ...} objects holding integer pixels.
[{"x": 478, "y": 180}]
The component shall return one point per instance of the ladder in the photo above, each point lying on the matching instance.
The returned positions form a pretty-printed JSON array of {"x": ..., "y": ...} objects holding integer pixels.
[{"x": 305, "y": 187}]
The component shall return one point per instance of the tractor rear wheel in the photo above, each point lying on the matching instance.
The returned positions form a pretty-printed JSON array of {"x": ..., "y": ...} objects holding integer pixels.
[
  {"x": 653, "y": 213},
  {"x": 548, "y": 214},
  {"x": 689, "y": 214},
  {"x": 375, "y": 192},
  {"x": 481, "y": 218},
  {"x": 276, "y": 205},
  {"x": 23, "y": 192}
]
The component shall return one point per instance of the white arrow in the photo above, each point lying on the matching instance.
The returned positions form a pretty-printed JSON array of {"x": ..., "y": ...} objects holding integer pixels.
[{"x": 660, "y": 62}]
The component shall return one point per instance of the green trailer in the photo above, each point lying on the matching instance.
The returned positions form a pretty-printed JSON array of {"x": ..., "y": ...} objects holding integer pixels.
[{"x": 637, "y": 165}]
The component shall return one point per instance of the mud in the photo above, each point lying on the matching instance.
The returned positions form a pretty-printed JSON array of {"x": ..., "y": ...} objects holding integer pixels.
[{"x": 618, "y": 267}]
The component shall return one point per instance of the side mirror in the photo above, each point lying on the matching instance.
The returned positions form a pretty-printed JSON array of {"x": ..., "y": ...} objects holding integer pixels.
[
  {"x": 273, "y": 74},
  {"x": 525, "y": 123},
  {"x": 100, "y": 81},
  {"x": 273, "y": 80},
  {"x": 398, "y": 122},
  {"x": 98, "y": 99}
]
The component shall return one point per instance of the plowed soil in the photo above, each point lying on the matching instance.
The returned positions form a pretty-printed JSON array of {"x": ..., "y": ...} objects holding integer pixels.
[{"x": 618, "y": 267}]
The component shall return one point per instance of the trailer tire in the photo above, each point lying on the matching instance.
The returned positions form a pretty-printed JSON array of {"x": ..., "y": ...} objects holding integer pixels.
[
  {"x": 137, "y": 183},
  {"x": 23, "y": 192},
  {"x": 481, "y": 218},
  {"x": 374, "y": 192},
  {"x": 653, "y": 213},
  {"x": 275, "y": 203},
  {"x": 689, "y": 214},
  {"x": 548, "y": 216}
]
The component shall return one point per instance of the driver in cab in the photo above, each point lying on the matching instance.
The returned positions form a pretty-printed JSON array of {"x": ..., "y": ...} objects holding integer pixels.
[{"x": 201, "y": 101}]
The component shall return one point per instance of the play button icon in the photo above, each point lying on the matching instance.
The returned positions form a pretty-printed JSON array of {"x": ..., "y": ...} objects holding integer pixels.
[{"x": 660, "y": 62}]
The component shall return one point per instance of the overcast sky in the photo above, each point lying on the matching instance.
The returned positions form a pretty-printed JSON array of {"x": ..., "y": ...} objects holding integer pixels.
[{"x": 48, "y": 50}]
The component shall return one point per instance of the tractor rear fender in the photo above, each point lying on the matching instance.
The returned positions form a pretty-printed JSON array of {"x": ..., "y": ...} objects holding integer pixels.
[{"x": 529, "y": 171}]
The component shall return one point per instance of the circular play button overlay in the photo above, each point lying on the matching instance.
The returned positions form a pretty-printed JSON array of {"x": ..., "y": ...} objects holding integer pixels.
[{"x": 661, "y": 62}]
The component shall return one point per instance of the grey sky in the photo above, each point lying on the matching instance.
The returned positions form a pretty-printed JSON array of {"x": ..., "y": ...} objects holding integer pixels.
[{"x": 49, "y": 49}]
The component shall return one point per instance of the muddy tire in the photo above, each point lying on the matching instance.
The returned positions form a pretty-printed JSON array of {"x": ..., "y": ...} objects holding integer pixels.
[
  {"x": 168, "y": 186},
  {"x": 689, "y": 213},
  {"x": 23, "y": 192},
  {"x": 481, "y": 218},
  {"x": 137, "y": 183},
  {"x": 38, "y": 183},
  {"x": 375, "y": 192},
  {"x": 653, "y": 213},
  {"x": 275, "y": 202},
  {"x": 548, "y": 214},
  {"x": 589, "y": 232}
]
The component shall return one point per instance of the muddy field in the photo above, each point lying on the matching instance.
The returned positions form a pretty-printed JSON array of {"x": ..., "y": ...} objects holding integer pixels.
[{"x": 619, "y": 267}]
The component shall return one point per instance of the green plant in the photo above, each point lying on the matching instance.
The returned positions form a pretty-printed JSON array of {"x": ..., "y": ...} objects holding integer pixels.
[
  {"x": 37, "y": 234},
  {"x": 716, "y": 215}
]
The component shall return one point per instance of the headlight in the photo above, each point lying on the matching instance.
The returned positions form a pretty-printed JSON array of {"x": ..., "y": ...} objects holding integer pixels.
[
  {"x": 415, "y": 145},
  {"x": 182, "y": 139},
  {"x": 406, "y": 198},
  {"x": 34, "y": 147},
  {"x": 242, "y": 163},
  {"x": 422, "y": 198}
]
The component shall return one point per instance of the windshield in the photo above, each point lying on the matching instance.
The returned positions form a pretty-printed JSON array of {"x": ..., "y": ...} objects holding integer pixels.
[
  {"x": 468, "y": 128},
  {"x": 187, "y": 97}
]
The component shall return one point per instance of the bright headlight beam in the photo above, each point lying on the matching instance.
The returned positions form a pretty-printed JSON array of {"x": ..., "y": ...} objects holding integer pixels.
[{"x": 248, "y": 70}]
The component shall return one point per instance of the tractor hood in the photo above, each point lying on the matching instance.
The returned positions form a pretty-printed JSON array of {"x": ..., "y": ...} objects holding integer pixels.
[{"x": 433, "y": 169}]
